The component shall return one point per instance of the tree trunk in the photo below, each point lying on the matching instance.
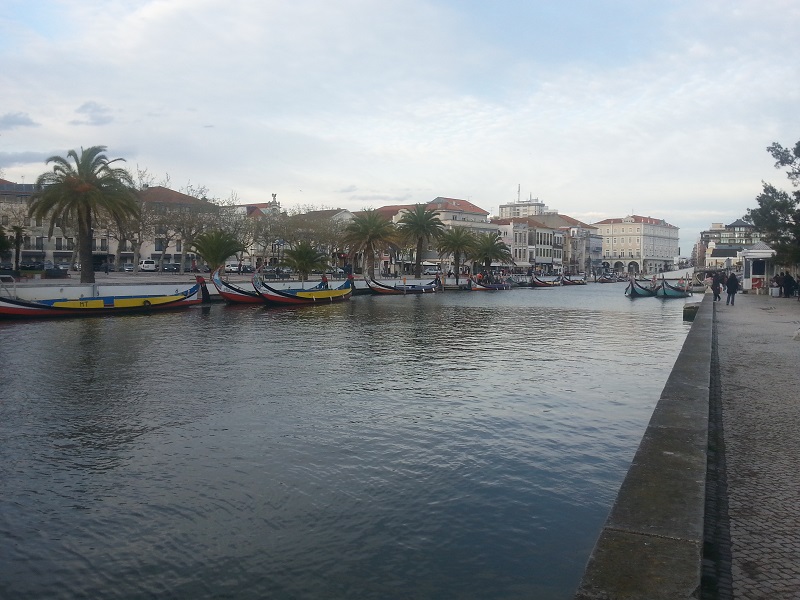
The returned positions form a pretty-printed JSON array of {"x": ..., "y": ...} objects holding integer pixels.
[
  {"x": 85, "y": 247},
  {"x": 418, "y": 265}
]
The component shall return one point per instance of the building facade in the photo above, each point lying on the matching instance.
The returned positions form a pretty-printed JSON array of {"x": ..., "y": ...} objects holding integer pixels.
[{"x": 636, "y": 244}]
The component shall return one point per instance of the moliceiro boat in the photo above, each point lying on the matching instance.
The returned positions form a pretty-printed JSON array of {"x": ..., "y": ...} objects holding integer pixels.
[
  {"x": 537, "y": 282},
  {"x": 480, "y": 286},
  {"x": 566, "y": 280},
  {"x": 637, "y": 290},
  {"x": 397, "y": 289},
  {"x": 234, "y": 294},
  {"x": 319, "y": 294},
  {"x": 667, "y": 290},
  {"x": 103, "y": 305}
]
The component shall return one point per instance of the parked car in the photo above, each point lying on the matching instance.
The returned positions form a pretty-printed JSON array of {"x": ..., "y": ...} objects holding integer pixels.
[
  {"x": 171, "y": 268},
  {"x": 334, "y": 271},
  {"x": 63, "y": 266},
  {"x": 148, "y": 265},
  {"x": 128, "y": 267},
  {"x": 31, "y": 265},
  {"x": 232, "y": 268},
  {"x": 431, "y": 271}
]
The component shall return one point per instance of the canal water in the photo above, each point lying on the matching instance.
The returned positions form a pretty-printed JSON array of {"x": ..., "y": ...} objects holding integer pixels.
[{"x": 457, "y": 445}]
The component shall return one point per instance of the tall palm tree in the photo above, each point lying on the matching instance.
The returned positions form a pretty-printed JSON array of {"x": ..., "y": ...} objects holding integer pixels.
[
  {"x": 304, "y": 258},
  {"x": 420, "y": 225},
  {"x": 457, "y": 242},
  {"x": 216, "y": 246},
  {"x": 490, "y": 248},
  {"x": 369, "y": 233},
  {"x": 90, "y": 189}
]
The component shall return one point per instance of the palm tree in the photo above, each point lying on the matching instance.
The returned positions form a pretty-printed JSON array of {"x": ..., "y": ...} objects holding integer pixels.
[
  {"x": 420, "y": 225},
  {"x": 457, "y": 242},
  {"x": 304, "y": 258},
  {"x": 88, "y": 190},
  {"x": 490, "y": 248},
  {"x": 216, "y": 246},
  {"x": 369, "y": 233}
]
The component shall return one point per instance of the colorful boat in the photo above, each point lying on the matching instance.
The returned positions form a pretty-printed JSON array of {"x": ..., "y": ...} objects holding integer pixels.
[
  {"x": 637, "y": 290},
  {"x": 565, "y": 280},
  {"x": 477, "y": 286},
  {"x": 319, "y": 294},
  {"x": 608, "y": 278},
  {"x": 15, "y": 308},
  {"x": 233, "y": 293},
  {"x": 397, "y": 289},
  {"x": 541, "y": 283}
]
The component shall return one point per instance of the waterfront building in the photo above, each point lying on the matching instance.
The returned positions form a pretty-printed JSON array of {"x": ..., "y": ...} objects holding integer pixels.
[
  {"x": 583, "y": 245},
  {"x": 637, "y": 244},
  {"x": 161, "y": 234},
  {"x": 738, "y": 234},
  {"x": 452, "y": 212},
  {"x": 534, "y": 245}
]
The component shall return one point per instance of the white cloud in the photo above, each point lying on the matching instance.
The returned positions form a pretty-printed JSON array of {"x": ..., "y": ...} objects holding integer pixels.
[{"x": 662, "y": 110}]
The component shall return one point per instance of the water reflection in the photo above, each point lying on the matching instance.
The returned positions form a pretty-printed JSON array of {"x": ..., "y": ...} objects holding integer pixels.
[{"x": 456, "y": 445}]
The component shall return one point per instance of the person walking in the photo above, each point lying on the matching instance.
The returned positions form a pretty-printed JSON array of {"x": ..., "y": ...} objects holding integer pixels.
[
  {"x": 732, "y": 285},
  {"x": 788, "y": 285},
  {"x": 716, "y": 287}
]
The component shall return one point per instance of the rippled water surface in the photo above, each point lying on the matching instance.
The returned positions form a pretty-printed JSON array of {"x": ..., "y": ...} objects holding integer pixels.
[{"x": 458, "y": 445}]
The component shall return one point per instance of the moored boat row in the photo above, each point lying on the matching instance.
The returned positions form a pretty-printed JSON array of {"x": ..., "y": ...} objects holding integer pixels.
[{"x": 94, "y": 301}]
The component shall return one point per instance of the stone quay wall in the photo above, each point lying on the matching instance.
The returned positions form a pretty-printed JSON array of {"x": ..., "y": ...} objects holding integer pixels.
[{"x": 652, "y": 543}]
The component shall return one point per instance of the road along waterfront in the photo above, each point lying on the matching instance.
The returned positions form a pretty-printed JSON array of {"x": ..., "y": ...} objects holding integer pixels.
[{"x": 446, "y": 445}]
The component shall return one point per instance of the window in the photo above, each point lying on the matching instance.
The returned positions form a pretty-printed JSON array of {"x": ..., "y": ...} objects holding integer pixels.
[
  {"x": 4, "y": 220},
  {"x": 178, "y": 246},
  {"x": 70, "y": 243},
  {"x": 59, "y": 243},
  {"x": 40, "y": 243},
  {"x": 159, "y": 245}
]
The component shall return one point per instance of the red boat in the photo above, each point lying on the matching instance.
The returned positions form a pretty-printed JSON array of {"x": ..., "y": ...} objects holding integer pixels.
[
  {"x": 233, "y": 293},
  {"x": 541, "y": 283}
]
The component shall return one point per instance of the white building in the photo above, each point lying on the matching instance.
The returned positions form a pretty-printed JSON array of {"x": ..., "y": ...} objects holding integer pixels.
[{"x": 638, "y": 244}]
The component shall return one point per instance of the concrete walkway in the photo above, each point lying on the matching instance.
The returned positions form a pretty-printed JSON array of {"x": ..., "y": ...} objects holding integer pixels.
[{"x": 758, "y": 344}]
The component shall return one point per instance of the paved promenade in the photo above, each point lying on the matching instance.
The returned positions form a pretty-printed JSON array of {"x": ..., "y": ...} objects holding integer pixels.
[{"x": 759, "y": 368}]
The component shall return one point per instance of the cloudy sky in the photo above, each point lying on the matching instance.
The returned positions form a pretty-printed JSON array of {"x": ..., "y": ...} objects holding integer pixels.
[{"x": 597, "y": 108}]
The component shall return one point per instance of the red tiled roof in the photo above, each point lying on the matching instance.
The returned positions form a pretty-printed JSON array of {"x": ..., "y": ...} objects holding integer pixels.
[
  {"x": 456, "y": 204},
  {"x": 162, "y": 195}
]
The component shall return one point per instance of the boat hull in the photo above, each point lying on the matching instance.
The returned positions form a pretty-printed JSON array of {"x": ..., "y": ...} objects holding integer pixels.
[
  {"x": 11, "y": 308},
  {"x": 234, "y": 294},
  {"x": 636, "y": 290},
  {"x": 541, "y": 283},
  {"x": 300, "y": 296},
  {"x": 488, "y": 287},
  {"x": 381, "y": 289}
]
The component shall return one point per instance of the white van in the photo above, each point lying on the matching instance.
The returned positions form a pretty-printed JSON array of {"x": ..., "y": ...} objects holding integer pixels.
[{"x": 148, "y": 265}]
